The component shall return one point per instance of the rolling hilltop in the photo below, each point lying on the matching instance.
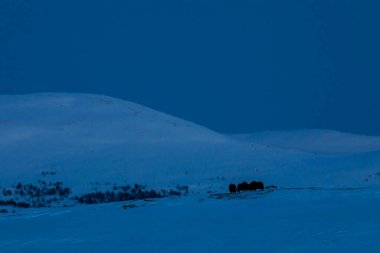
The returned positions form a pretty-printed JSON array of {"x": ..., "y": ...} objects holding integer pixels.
[
  {"x": 327, "y": 199},
  {"x": 85, "y": 139}
]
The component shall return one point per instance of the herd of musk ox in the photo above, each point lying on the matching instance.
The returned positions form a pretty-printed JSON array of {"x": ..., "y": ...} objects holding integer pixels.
[{"x": 244, "y": 186}]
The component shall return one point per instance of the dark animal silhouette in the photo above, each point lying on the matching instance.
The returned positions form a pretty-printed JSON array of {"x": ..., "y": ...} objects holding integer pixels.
[
  {"x": 253, "y": 186},
  {"x": 260, "y": 185},
  {"x": 232, "y": 188},
  {"x": 243, "y": 187}
]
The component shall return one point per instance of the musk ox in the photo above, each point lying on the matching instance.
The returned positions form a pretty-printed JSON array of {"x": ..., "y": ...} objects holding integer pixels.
[
  {"x": 243, "y": 187},
  {"x": 232, "y": 188},
  {"x": 253, "y": 186},
  {"x": 260, "y": 185}
]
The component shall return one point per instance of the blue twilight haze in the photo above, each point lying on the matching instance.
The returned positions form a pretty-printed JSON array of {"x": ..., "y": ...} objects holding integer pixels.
[{"x": 233, "y": 66}]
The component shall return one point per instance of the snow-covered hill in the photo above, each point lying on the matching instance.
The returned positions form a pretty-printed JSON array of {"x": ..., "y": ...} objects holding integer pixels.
[
  {"x": 315, "y": 141},
  {"x": 328, "y": 199},
  {"x": 91, "y": 138},
  {"x": 86, "y": 139}
]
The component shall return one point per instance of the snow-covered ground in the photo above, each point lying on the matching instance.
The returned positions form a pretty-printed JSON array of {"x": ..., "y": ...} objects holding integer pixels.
[
  {"x": 85, "y": 140},
  {"x": 283, "y": 221}
]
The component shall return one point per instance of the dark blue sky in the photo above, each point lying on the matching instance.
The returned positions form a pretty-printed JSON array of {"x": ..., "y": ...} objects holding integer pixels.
[{"x": 233, "y": 66}]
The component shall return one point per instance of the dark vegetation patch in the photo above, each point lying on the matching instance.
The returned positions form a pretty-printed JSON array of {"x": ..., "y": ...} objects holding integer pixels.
[
  {"x": 48, "y": 173},
  {"x": 128, "y": 192},
  {"x": 49, "y": 194},
  {"x": 42, "y": 194}
]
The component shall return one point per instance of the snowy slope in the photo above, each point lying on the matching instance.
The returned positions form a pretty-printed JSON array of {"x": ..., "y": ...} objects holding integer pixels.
[
  {"x": 93, "y": 136},
  {"x": 90, "y": 138},
  {"x": 315, "y": 141},
  {"x": 85, "y": 139}
]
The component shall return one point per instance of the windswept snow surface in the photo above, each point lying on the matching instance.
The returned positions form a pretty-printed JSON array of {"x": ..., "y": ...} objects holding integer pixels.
[
  {"x": 315, "y": 141},
  {"x": 328, "y": 200},
  {"x": 281, "y": 222}
]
